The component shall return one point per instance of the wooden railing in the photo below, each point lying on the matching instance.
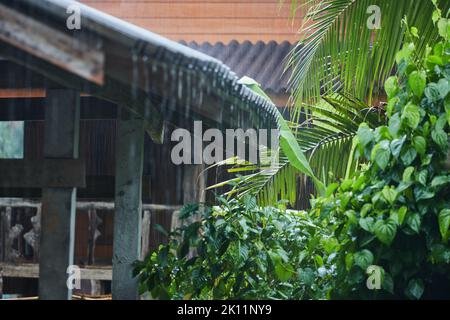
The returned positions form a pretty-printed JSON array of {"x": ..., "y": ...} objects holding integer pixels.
[{"x": 11, "y": 262}]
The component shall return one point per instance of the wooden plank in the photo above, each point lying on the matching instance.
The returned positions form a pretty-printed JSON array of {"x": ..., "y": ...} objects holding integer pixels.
[
  {"x": 31, "y": 270},
  {"x": 52, "y": 173},
  {"x": 84, "y": 205},
  {"x": 27, "y": 93},
  {"x": 62, "y": 121},
  {"x": 65, "y": 51},
  {"x": 22, "y": 93},
  {"x": 128, "y": 201}
]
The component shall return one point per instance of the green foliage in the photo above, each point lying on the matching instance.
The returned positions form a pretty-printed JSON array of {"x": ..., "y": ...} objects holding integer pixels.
[
  {"x": 391, "y": 218},
  {"x": 395, "y": 213},
  {"x": 338, "y": 51},
  {"x": 234, "y": 251},
  {"x": 327, "y": 141}
]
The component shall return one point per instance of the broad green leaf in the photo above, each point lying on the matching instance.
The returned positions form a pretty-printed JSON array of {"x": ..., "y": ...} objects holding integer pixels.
[
  {"x": 444, "y": 223},
  {"x": 440, "y": 181},
  {"x": 394, "y": 124},
  {"x": 391, "y": 86},
  {"x": 417, "y": 82},
  {"x": 381, "y": 154},
  {"x": 405, "y": 53},
  {"x": 411, "y": 115},
  {"x": 385, "y": 230},
  {"x": 283, "y": 271},
  {"x": 349, "y": 258},
  {"x": 407, "y": 173},
  {"x": 306, "y": 276},
  {"x": 443, "y": 28},
  {"x": 421, "y": 193},
  {"x": 399, "y": 215},
  {"x": 440, "y": 137},
  {"x": 367, "y": 224},
  {"x": 408, "y": 156},
  {"x": 443, "y": 87},
  {"x": 363, "y": 258},
  {"x": 414, "y": 222},
  {"x": 396, "y": 146},
  {"x": 388, "y": 283},
  {"x": 440, "y": 253},
  {"x": 415, "y": 289},
  {"x": 422, "y": 177},
  {"x": 365, "y": 134},
  {"x": 432, "y": 92},
  {"x": 389, "y": 194},
  {"x": 420, "y": 144}
]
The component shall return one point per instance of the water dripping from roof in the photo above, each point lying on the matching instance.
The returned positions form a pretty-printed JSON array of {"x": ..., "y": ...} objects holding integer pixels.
[{"x": 135, "y": 75}]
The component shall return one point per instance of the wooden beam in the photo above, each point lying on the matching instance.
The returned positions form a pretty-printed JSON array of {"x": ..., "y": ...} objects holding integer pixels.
[
  {"x": 27, "y": 93},
  {"x": 84, "y": 205},
  {"x": 22, "y": 93},
  {"x": 60, "y": 49},
  {"x": 31, "y": 270},
  {"x": 128, "y": 205},
  {"x": 51, "y": 173},
  {"x": 61, "y": 140}
]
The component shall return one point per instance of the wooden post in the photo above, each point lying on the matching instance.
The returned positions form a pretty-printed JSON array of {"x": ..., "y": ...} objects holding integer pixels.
[
  {"x": 5, "y": 223},
  {"x": 194, "y": 185},
  {"x": 94, "y": 233},
  {"x": 32, "y": 237},
  {"x": 62, "y": 116},
  {"x": 146, "y": 226},
  {"x": 1, "y": 283},
  {"x": 128, "y": 205}
]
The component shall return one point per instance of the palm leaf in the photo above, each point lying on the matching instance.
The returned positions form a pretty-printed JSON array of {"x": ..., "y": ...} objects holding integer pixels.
[
  {"x": 338, "y": 50},
  {"x": 326, "y": 138}
]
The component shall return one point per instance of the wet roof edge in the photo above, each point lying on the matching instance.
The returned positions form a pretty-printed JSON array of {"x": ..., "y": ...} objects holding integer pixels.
[{"x": 129, "y": 35}]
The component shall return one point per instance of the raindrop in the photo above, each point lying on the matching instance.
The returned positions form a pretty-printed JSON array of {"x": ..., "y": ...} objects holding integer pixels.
[{"x": 134, "y": 84}]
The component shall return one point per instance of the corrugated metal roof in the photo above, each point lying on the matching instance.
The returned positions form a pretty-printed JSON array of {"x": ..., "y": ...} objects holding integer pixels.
[{"x": 264, "y": 62}]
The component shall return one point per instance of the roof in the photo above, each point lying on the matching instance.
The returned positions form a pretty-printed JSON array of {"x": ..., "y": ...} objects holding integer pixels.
[
  {"x": 155, "y": 78},
  {"x": 210, "y": 20},
  {"x": 264, "y": 62}
]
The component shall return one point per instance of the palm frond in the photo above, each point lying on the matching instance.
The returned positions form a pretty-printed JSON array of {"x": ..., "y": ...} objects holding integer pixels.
[
  {"x": 326, "y": 138},
  {"x": 338, "y": 49}
]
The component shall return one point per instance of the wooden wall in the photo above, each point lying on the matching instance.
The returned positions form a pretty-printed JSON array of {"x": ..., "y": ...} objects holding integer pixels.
[{"x": 207, "y": 20}]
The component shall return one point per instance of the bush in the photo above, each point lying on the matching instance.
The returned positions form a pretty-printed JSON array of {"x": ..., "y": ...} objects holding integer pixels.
[
  {"x": 241, "y": 251},
  {"x": 395, "y": 215}
]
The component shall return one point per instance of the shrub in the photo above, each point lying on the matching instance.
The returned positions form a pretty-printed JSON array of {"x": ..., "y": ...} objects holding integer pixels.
[
  {"x": 395, "y": 215},
  {"x": 234, "y": 251}
]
